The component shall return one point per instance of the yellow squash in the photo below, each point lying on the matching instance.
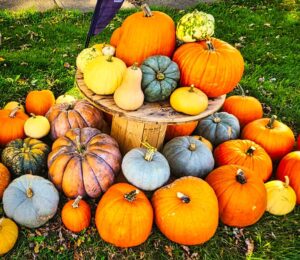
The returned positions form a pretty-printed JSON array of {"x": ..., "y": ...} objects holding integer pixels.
[
  {"x": 8, "y": 235},
  {"x": 13, "y": 104},
  {"x": 36, "y": 126},
  {"x": 86, "y": 56}
]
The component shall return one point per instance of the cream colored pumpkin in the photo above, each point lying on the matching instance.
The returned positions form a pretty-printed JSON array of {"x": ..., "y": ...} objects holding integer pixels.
[
  {"x": 129, "y": 95},
  {"x": 281, "y": 197},
  {"x": 65, "y": 99},
  {"x": 105, "y": 49},
  {"x": 36, "y": 126},
  {"x": 13, "y": 104},
  {"x": 8, "y": 235}
]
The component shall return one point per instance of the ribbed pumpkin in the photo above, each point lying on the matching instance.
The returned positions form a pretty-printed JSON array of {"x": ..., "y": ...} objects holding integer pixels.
[
  {"x": 28, "y": 156},
  {"x": 186, "y": 211},
  {"x": 245, "y": 108},
  {"x": 4, "y": 179},
  {"x": 144, "y": 34},
  {"x": 241, "y": 195},
  {"x": 290, "y": 166},
  {"x": 124, "y": 216},
  {"x": 146, "y": 168},
  {"x": 39, "y": 102},
  {"x": 30, "y": 200},
  {"x": 8, "y": 235},
  {"x": 218, "y": 128},
  {"x": 160, "y": 77},
  {"x": 12, "y": 125},
  {"x": 76, "y": 215},
  {"x": 63, "y": 117},
  {"x": 188, "y": 157},
  {"x": 275, "y": 137},
  {"x": 214, "y": 66},
  {"x": 84, "y": 162},
  {"x": 245, "y": 153},
  {"x": 203, "y": 140},
  {"x": 180, "y": 130}
]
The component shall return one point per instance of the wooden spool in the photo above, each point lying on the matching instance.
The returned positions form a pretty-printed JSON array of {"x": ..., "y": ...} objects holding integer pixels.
[{"x": 149, "y": 122}]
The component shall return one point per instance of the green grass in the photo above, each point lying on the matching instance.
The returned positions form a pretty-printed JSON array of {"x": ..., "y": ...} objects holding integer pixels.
[{"x": 40, "y": 50}]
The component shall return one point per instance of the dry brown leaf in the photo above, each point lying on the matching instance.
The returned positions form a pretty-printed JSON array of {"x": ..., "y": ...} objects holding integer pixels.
[
  {"x": 169, "y": 250},
  {"x": 250, "y": 246}
]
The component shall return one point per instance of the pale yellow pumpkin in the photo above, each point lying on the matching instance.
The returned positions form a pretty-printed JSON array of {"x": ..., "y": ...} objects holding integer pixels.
[
  {"x": 104, "y": 74},
  {"x": 8, "y": 235},
  {"x": 129, "y": 95},
  {"x": 281, "y": 198},
  {"x": 86, "y": 56},
  {"x": 189, "y": 100},
  {"x": 65, "y": 99},
  {"x": 36, "y": 126},
  {"x": 13, "y": 104}
]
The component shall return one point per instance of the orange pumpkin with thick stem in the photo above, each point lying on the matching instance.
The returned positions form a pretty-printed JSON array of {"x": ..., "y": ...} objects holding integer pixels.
[
  {"x": 38, "y": 102},
  {"x": 144, "y": 34},
  {"x": 124, "y": 216},
  {"x": 186, "y": 211},
  {"x": 275, "y": 137},
  {"x": 213, "y": 66},
  {"x": 241, "y": 194},
  {"x": 76, "y": 215},
  {"x": 245, "y": 153},
  {"x": 12, "y": 125},
  {"x": 290, "y": 166},
  {"x": 4, "y": 179},
  {"x": 180, "y": 130},
  {"x": 245, "y": 108}
]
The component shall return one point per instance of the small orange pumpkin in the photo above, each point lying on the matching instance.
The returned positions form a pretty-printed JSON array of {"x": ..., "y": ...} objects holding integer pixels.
[
  {"x": 76, "y": 215},
  {"x": 4, "y": 179},
  {"x": 38, "y": 102},
  {"x": 180, "y": 130}
]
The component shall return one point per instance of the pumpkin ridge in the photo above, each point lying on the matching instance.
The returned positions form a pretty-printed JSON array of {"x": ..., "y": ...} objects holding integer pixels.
[
  {"x": 95, "y": 177},
  {"x": 99, "y": 157},
  {"x": 83, "y": 119}
]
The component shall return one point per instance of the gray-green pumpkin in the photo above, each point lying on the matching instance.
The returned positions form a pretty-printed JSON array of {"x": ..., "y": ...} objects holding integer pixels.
[
  {"x": 188, "y": 156},
  {"x": 160, "y": 77},
  {"x": 28, "y": 156},
  {"x": 30, "y": 200}
]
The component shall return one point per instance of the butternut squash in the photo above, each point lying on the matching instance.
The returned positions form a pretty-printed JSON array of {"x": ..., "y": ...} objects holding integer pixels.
[{"x": 129, "y": 95}]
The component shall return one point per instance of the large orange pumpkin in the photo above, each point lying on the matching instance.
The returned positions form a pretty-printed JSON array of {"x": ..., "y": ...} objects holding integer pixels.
[
  {"x": 245, "y": 153},
  {"x": 39, "y": 102},
  {"x": 275, "y": 137},
  {"x": 4, "y": 179},
  {"x": 144, "y": 34},
  {"x": 84, "y": 162},
  {"x": 290, "y": 166},
  {"x": 213, "y": 66},
  {"x": 114, "y": 39},
  {"x": 11, "y": 125},
  {"x": 186, "y": 211},
  {"x": 241, "y": 194},
  {"x": 124, "y": 216},
  {"x": 180, "y": 130}
]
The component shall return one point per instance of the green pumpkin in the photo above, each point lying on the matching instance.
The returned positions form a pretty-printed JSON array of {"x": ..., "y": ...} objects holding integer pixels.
[
  {"x": 28, "y": 156},
  {"x": 30, "y": 200},
  {"x": 195, "y": 26},
  {"x": 160, "y": 77},
  {"x": 218, "y": 128},
  {"x": 188, "y": 156}
]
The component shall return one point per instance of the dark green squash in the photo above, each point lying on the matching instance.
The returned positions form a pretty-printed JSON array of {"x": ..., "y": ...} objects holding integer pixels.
[
  {"x": 28, "y": 156},
  {"x": 160, "y": 77}
]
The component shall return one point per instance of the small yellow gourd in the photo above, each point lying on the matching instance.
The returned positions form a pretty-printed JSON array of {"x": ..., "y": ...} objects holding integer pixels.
[
  {"x": 65, "y": 98},
  {"x": 86, "y": 56},
  {"x": 8, "y": 235},
  {"x": 105, "y": 49},
  {"x": 189, "y": 100},
  {"x": 129, "y": 96},
  {"x": 281, "y": 198},
  {"x": 13, "y": 104},
  {"x": 36, "y": 126}
]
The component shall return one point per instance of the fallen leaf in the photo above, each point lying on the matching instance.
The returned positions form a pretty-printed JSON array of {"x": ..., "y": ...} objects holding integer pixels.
[
  {"x": 250, "y": 246},
  {"x": 169, "y": 250},
  {"x": 186, "y": 249},
  {"x": 36, "y": 248}
]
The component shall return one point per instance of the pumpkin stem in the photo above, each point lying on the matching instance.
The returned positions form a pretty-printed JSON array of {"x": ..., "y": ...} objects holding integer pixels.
[
  {"x": 146, "y": 9},
  {"x": 270, "y": 124},
  {"x": 287, "y": 181},
  {"x": 240, "y": 176},
  {"x": 75, "y": 204},
  {"x": 131, "y": 196},
  {"x": 210, "y": 45},
  {"x": 13, "y": 113},
  {"x": 192, "y": 147},
  {"x": 250, "y": 150},
  {"x": 192, "y": 88},
  {"x": 29, "y": 193},
  {"x": 79, "y": 146},
  {"x": 184, "y": 198},
  {"x": 135, "y": 66},
  {"x": 150, "y": 151},
  {"x": 241, "y": 89},
  {"x": 33, "y": 115},
  {"x": 217, "y": 120},
  {"x": 160, "y": 76},
  {"x": 109, "y": 58}
]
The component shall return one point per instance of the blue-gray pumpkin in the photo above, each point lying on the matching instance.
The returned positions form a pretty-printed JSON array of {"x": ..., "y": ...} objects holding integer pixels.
[
  {"x": 146, "y": 169},
  {"x": 160, "y": 77},
  {"x": 30, "y": 200},
  {"x": 188, "y": 156},
  {"x": 219, "y": 127}
]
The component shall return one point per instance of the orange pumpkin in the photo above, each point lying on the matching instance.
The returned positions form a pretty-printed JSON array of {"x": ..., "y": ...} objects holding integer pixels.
[
  {"x": 204, "y": 140},
  {"x": 144, "y": 34},
  {"x": 76, "y": 215},
  {"x": 290, "y": 166},
  {"x": 4, "y": 179},
  {"x": 186, "y": 211},
  {"x": 38, "y": 102},
  {"x": 241, "y": 194},
  {"x": 245, "y": 108},
  {"x": 298, "y": 142},
  {"x": 245, "y": 153},
  {"x": 114, "y": 39},
  {"x": 213, "y": 66},
  {"x": 12, "y": 125},
  {"x": 275, "y": 137},
  {"x": 180, "y": 130},
  {"x": 124, "y": 216}
]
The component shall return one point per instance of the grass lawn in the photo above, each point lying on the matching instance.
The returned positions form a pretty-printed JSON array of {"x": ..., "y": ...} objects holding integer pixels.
[{"x": 38, "y": 51}]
